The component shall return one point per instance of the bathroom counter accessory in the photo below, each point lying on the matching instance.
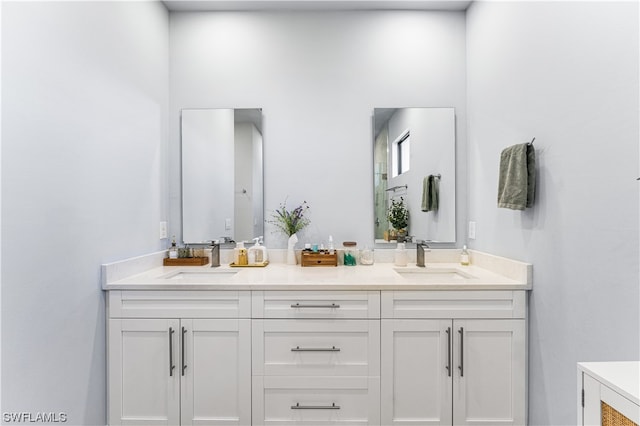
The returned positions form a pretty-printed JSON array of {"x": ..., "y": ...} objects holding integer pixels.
[
  {"x": 310, "y": 258},
  {"x": 251, "y": 265},
  {"x": 185, "y": 261}
]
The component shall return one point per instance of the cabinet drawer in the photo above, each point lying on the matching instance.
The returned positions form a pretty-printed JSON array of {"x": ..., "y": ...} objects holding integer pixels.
[
  {"x": 316, "y": 347},
  {"x": 179, "y": 304},
  {"x": 453, "y": 304},
  {"x": 316, "y": 304},
  {"x": 316, "y": 400}
]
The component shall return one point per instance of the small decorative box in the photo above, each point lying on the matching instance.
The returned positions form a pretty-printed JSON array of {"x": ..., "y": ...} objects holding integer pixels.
[
  {"x": 320, "y": 258},
  {"x": 186, "y": 261}
]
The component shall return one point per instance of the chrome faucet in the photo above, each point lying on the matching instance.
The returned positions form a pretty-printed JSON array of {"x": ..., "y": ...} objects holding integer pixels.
[
  {"x": 421, "y": 247},
  {"x": 215, "y": 254}
]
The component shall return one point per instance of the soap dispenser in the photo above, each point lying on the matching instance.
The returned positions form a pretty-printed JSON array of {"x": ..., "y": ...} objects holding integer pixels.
[
  {"x": 173, "y": 251},
  {"x": 240, "y": 254},
  {"x": 257, "y": 253},
  {"x": 464, "y": 256},
  {"x": 401, "y": 258}
]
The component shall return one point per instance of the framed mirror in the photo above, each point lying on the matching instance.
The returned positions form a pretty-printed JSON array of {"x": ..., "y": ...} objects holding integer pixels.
[
  {"x": 414, "y": 165},
  {"x": 222, "y": 175}
]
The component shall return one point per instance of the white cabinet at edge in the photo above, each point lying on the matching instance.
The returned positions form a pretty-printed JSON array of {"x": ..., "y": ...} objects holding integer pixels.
[
  {"x": 453, "y": 358},
  {"x": 406, "y": 357},
  {"x": 179, "y": 358}
]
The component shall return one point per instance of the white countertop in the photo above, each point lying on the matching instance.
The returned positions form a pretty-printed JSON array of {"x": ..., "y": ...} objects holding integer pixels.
[
  {"x": 622, "y": 376},
  {"x": 279, "y": 276}
]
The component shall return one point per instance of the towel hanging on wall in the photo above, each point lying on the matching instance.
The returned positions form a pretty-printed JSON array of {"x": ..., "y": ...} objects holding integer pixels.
[
  {"x": 430, "y": 193},
  {"x": 517, "y": 180}
]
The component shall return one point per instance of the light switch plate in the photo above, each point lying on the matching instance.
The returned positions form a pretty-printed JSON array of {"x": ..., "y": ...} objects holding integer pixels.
[
  {"x": 163, "y": 230},
  {"x": 472, "y": 230},
  {"x": 227, "y": 224}
]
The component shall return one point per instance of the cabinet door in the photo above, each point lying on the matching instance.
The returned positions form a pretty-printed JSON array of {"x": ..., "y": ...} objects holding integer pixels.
[
  {"x": 590, "y": 415},
  {"x": 489, "y": 373},
  {"x": 415, "y": 372},
  {"x": 144, "y": 389},
  {"x": 215, "y": 371}
]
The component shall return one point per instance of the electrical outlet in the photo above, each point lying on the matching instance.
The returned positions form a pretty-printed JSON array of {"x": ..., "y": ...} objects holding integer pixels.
[
  {"x": 163, "y": 230},
  {"x": 227, "y": 224},
  {"x": 472, "y": 230}
]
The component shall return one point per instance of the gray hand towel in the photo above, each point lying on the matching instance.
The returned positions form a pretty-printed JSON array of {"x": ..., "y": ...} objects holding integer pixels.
[
  {"x": 430, "y": 194},
  {"x": 517, "y": 181}
]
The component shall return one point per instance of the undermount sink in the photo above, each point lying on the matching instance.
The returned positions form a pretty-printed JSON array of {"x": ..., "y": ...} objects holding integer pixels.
[
  {"x": 434, "y": 274},
  {"x": 200, "y": 276}
]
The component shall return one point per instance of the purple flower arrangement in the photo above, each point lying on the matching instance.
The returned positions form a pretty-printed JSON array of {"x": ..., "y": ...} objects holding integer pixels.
[{"x": 290, "y": 221}]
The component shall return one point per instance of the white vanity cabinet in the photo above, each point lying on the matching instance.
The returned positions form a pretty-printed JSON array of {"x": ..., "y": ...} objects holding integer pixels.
[
  {"x": 316, "y": 357},
  {"x": 293, "y": 346},
  {"x": 179, "y": 357},
  {"x": 453, "y": 358}
]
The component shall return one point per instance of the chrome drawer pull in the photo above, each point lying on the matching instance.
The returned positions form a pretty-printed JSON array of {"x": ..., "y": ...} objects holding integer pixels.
[
  {"x": 299, "y": 349},
  {"x": 331, "y": 306},
  {"x": 315, "y": 407}
]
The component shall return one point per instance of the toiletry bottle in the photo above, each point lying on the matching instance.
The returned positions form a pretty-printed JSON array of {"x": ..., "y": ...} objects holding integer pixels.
[
  {"x": 332, "y": 249},
  {"x": 464, "y": 256},
  {"x": 173, "y": 251},
  {"x": 262, "y": 256},
  {"x": 257, "y": 253},
  {"x": 251, "y": 255},
  {"x": 236, "y": 252},
  {"x": 243, "y": 259},
  {"x": 401, "y": 258}
]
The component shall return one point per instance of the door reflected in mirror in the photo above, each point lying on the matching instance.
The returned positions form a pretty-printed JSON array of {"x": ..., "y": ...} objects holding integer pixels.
[
  {"x": 414, "y": 162},
  {"x": 222, "y": 174}
]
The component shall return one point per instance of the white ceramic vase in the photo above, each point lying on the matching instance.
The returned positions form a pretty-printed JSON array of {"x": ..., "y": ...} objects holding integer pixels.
[{"x": 291, "y": 254}]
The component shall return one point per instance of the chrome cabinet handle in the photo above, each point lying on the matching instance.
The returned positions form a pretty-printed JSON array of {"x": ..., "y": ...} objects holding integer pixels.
[
  {"x": 299, "y": 349},
  {"x": 333, "y": 406},
  {"x": 331, "y": 306},
  {"x": 448, "y": 366},
  {"x": 184, "y": 363},
  {"x": 461, "y": 366},
  {"x": 171, "y": 366}
]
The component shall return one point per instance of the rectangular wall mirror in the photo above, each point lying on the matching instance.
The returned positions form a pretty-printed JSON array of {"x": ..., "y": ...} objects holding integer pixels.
[
  {"x": 410, "y": 145},
  {"x": 222, "y": 174}
]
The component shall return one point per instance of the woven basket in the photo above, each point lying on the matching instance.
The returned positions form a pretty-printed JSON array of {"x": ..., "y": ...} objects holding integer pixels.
[{"x": 612, "y": 417}]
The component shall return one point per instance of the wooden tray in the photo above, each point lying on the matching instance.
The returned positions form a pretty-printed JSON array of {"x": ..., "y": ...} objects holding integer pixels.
[
  {"x": 185, "y": 261},
  {"x": 253, "y": 265},
  {"x": 310, "y": 258}
]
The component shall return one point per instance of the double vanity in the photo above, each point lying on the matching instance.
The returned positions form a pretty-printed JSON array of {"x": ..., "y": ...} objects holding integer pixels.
[{"x": 367, "y": 345}]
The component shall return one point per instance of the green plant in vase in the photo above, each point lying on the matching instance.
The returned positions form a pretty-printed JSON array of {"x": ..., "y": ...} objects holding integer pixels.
[{"x": 398, "y": 216}]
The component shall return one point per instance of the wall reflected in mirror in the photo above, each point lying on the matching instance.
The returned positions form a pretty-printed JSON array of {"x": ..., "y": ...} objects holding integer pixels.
[
  {"x": 222, "y": 174},
  {"x": 410, "y": 145}
]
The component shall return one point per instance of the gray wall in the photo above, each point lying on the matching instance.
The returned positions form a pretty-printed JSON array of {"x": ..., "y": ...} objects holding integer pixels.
[
  {"x": 84, "y": 113},
  {"x": 566, "y": 73},
  {"x": 318, "y": 76}
]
